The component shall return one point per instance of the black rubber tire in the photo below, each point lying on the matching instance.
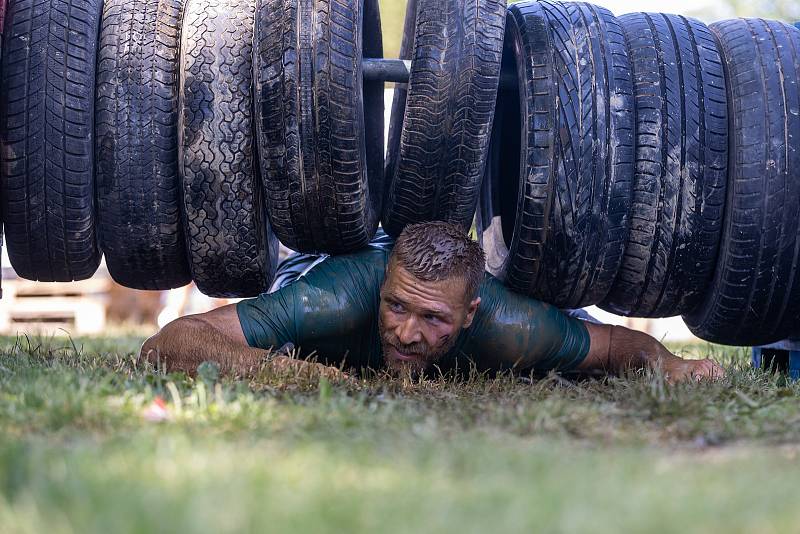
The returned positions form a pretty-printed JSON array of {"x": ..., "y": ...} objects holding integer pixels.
[
  {"x": 447, "y": 121},
  {"x": 2, "y": 236},
  {"x": 588, "y": 224},
  {"x": 320, "y": 129},
  {"x": 46, "y": 123},
  {"x": 231, "y": 248},
  {"x": 518, "y": 187},
  {"x": 138, "y": 188},
  {"x": 576, "y": 168},
  {"x": 755, "y": 296},
  {"x": 2, "y": 25},
  {"x": 681, "y": 166}
]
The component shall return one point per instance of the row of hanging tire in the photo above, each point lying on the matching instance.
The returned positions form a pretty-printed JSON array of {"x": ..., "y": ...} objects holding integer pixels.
[
  {"x": 660, "y": 168},
  {"x": 647, "y": 163}
]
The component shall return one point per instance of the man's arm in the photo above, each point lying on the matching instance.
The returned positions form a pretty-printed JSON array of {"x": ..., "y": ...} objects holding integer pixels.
[
  {"x": 217, "y": 336},
  {"x": 617, "y": 349}
]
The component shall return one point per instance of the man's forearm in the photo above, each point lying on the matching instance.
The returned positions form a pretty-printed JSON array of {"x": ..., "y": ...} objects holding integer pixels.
[
  {"x": 185, "y": 343},
  {"x": 617, "y": 349},
  {"x": 182, "y": 345},
  {"x": 630, "y": 349}
]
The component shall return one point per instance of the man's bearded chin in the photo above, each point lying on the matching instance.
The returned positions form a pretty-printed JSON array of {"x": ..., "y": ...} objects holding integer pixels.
[{"x": 426, "y": 354}]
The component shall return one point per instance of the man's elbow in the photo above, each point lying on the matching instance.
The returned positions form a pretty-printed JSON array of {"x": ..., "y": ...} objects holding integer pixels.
[{"x": 167, "y": 343}]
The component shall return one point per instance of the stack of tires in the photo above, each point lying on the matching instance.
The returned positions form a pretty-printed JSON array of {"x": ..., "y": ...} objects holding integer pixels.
[
  {"x": 646, "y": 163},
  {"x": 621, "y": 171},
  {"x": 649, "y": 164},
  {"x": 129, "y": 130}
]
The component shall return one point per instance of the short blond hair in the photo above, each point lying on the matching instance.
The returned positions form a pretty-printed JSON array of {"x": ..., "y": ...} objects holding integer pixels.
[{"x": 438, "y": 250}]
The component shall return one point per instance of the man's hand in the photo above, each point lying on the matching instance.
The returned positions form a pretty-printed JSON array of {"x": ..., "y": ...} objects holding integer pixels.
[
  {"x": 679, "y": 370},
  {"x": 285, "y": 365}
]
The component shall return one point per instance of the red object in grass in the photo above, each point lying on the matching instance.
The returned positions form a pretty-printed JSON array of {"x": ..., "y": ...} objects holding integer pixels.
[{"x": 157, "y": 411}]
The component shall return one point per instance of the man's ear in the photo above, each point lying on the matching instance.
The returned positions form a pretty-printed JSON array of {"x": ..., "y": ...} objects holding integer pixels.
[{"x": 473, "y": 307}]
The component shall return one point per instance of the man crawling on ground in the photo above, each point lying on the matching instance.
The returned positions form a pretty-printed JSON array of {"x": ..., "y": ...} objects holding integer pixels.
[{"x": 422, "y": 303}]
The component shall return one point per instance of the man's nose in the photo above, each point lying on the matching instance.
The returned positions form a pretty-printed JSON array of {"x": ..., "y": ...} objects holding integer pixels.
[{"x": 408, "y": 331}]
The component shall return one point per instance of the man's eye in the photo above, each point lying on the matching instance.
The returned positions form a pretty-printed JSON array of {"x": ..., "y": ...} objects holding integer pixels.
[
  {"x": 431, "y": 318},
  {"x": 396, "y": 307}
]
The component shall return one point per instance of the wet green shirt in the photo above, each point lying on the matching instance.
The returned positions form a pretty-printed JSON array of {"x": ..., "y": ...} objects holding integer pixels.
[{"x": 332, "y": 312}]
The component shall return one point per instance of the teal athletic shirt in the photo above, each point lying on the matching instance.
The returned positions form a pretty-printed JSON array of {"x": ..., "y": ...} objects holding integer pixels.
[{"x": 332, "y": 313}]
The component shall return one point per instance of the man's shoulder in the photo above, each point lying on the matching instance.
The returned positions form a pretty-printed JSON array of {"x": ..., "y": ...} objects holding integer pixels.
[
  {"x": 324, "y": 309},
  {"x": 491, "y": 288}
]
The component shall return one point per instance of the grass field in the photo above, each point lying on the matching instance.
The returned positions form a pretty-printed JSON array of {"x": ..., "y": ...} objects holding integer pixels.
[{"x": 77, "y": 453}]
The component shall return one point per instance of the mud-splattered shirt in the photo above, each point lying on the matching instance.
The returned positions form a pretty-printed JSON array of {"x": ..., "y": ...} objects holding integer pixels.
[{"x": 332, "y": 312}]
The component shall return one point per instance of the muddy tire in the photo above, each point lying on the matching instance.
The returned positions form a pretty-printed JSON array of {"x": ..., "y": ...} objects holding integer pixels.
[
  {"x": 46, "y": 123},
  {"x": 231, "y": 248},
  {"x": 680, "y": 177},
  {"x": 320, "y": 129},
  {"x": 138, "y": 188},
  {"x": 754, "y": 298},
  {"x": 588, "y": 223},
  {"x": 451, "y": 94},
  {"x": 517, "y": 191},
  {"x": 557, "y": 231}
]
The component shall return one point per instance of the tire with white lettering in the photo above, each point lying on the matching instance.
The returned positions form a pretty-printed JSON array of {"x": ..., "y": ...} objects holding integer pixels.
[
  {"x": 47, "y": 127},
  {"x": 754, "y": 298},
  {"x": 138, "y": 188},
  {"x": 320, "y": 126},
  {"x": 232, "y": 252},
  {"x": 557, "y": 230},
  {"x": 680, "y": 177},
  {"x": 446, "y": 125}
]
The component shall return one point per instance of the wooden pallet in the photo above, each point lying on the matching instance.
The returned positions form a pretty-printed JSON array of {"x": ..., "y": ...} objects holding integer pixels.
[{"x": 54, "y": 308}]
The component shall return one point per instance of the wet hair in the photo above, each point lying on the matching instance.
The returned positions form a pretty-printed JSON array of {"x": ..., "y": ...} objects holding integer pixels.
[{"x": 435, "y": 251}]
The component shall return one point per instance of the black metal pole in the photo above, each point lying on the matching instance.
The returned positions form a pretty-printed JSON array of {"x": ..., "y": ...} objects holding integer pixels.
[
  {"x": 386, "y": 70},
  {"x": 398, "y": 71}
]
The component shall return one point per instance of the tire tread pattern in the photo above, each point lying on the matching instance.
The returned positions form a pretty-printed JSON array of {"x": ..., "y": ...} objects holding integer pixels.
[
  {"x": 755, "y": 296},
  {"x": 320, "y": 135},
  {"x": 230, "y": 253},
  {"x": 448, "y": 114},
  {"x": 136, "y": 127},
  {"x": 681, "y": 166},
  {"x": 46, "y": 123},
  {"x": 588, "y": 222}
]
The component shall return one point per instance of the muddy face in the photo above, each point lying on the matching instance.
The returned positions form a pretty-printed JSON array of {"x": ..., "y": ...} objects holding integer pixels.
[{"x": 420, "y": 321}]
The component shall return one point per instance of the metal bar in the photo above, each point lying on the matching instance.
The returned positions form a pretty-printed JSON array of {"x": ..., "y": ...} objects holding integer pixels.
[
  {"x": 399, "y": 70},
  {"x": 386, "y": 70}
]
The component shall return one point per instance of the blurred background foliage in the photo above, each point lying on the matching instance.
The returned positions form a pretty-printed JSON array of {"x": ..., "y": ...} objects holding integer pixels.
[{"x": 393, "y": 13}]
